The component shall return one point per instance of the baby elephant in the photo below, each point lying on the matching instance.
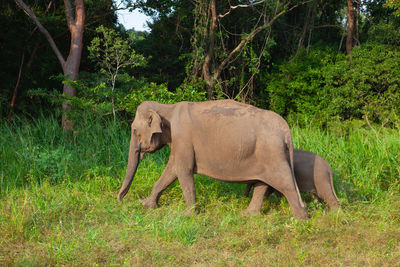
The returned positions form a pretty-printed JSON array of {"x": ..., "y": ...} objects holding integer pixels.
[{"x": 313, "y": 174}]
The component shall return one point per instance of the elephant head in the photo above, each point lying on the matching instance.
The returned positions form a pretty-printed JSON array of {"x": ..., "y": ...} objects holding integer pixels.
[{"x": 146, "y": 137}]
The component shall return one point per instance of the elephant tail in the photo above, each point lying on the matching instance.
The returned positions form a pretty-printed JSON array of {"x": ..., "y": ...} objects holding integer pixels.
[
  {"x": 334, "y": 202},
  {"x": 289, "y": 147}
]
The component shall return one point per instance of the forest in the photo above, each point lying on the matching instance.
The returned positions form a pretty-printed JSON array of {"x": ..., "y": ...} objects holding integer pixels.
[{"x": 72, "y": 77}]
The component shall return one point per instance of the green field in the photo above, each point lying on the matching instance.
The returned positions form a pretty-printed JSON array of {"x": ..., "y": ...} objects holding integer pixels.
[{"x": 58, "y": 204}]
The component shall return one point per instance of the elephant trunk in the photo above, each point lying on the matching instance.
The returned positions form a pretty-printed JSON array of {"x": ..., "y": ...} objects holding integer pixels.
[{"x": 133, "y": 162}]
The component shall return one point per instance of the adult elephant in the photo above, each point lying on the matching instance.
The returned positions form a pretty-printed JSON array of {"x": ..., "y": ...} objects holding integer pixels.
[{"x": 223, "y": 139}]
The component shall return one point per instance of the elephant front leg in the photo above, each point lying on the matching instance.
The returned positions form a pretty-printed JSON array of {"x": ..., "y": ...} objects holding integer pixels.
[
  {"x": 167, "y": 178},
  {"x": 183, "y": 155},
  {"x": 256, "y": 201}
]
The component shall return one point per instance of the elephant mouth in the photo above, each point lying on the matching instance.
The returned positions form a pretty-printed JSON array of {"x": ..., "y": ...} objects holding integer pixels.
[{"x": 150, "y": 149}]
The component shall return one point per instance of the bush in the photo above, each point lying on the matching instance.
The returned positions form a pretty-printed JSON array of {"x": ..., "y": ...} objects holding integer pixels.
[
  {"x": 385, "y": 33},
  {"x": 94, "y": 97},
  {"x": 326, "y": 86},
  {"x": 294, "y": 88},
  {"x": 366, "y": 85},
  {"x": 160, "y": 93}
]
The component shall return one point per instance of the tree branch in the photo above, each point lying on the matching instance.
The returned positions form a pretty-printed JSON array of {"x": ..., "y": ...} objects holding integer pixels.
[
  {"x": 327, "y": 26},
  {"x": 250, "y": 36},
  {"x": 42, "y": 29},
  {"x": 10, "y": 114},
  {"x": 234, "y": 7},
  {"x": 208, "y": 57}
]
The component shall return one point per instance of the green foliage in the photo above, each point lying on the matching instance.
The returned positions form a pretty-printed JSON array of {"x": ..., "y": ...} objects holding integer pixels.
[
  {"x": 21, "y": 36},
  {"x": 323, "y": 85},
  {"x": 160, "y": 93},
  {"x": 366, "y": 84},
  {"x": 112, "y": 53},
  {"x": 94, "y": 97},
  {"x": 294, "y": 87},
  {"x": 393, "y": 4},
  {"x": 41, "y": 151},
  {"x": 363, "y": 157},
  {"x": 167, "y": 41},
  {"x": 386, "y": 33}
]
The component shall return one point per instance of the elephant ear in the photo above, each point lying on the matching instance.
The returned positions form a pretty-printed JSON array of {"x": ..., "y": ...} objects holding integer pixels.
[{"x": 154, "y": 122}]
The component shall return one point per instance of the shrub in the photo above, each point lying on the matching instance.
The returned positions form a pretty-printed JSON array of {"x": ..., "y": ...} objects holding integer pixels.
[
  {"x": 160, "y": 93},
  {"x": 384, "y": 33},
  {"x": 94, "y": 97},
  {"x": 294, "y": 88},
  {"x": 366, "y": 85}
]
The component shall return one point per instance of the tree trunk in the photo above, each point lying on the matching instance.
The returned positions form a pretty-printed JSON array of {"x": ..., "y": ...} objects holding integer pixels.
[
  {"x": 350, "y": 26},
  {"x": 11, "y": 113},
  {"x": 70, "y": 67},
  {"x": 314, "y": 11},
  {"x": 357, "y": 23},
  {"x": 306, "y": 27},
  {"x": 33, "y": 54},
  {"x": 211, "y": 70},
  {"x": 206, "y": 68},
  {"x": 16, "y": 88}
]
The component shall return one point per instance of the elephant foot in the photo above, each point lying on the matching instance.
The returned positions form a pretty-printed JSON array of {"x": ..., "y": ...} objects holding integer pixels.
[
  {"x": 191, "y": 212},
  {"x": 334, "y": 205},
  {"x": 300, "y": 215},
  {"x": 149, "y": 203},
  {"x": 249, "y": 212}
]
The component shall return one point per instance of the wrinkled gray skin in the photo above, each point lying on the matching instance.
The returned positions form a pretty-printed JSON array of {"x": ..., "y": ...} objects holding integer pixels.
[
  {"x": 223, "y": 139},
  {"x": 313, "y": 174}
]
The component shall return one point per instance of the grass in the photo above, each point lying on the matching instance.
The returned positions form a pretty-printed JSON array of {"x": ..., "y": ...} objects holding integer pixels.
[{"x": 58, "y": 204}]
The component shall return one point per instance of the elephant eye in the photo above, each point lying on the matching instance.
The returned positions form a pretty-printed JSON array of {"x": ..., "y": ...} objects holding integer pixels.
[{"x": 138, "y": 135}]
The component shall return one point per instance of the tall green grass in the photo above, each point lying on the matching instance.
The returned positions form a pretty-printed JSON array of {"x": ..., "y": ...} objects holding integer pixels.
[
  {"x": 365, "y": 162},
  {"x": 32, "y": 152},
  {"x": 58, "y": 204}
]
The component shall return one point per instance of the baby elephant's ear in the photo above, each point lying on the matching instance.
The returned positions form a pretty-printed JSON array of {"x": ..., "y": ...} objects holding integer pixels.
[{"x": 154, "y": 122}]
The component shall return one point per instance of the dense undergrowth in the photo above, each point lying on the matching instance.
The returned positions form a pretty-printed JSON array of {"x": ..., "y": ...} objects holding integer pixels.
[{"x": 58, "y": 203}]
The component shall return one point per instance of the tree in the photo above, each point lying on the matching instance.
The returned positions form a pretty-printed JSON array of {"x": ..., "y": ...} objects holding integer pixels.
[
  {"x": 207, "y": 22},
  {"x": 193, "y": 38},
  {"x": 112, "y": 54},
  {"x": 350, "y": 26},
  {"x": 75, "y": 17},
  {"x": 25, "y": 42}
]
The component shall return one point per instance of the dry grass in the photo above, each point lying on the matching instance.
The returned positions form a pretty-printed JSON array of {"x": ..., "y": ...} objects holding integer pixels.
[{"x": 104, "y": 232}]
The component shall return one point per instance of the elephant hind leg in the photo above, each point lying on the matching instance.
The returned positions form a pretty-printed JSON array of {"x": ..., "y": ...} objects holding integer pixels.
[
  {"x": 186, "y": 181},
  {"x": 330, "y": 198},
  {"x": 283, "y": 181},
  {"x": 326, "y": 191}
]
